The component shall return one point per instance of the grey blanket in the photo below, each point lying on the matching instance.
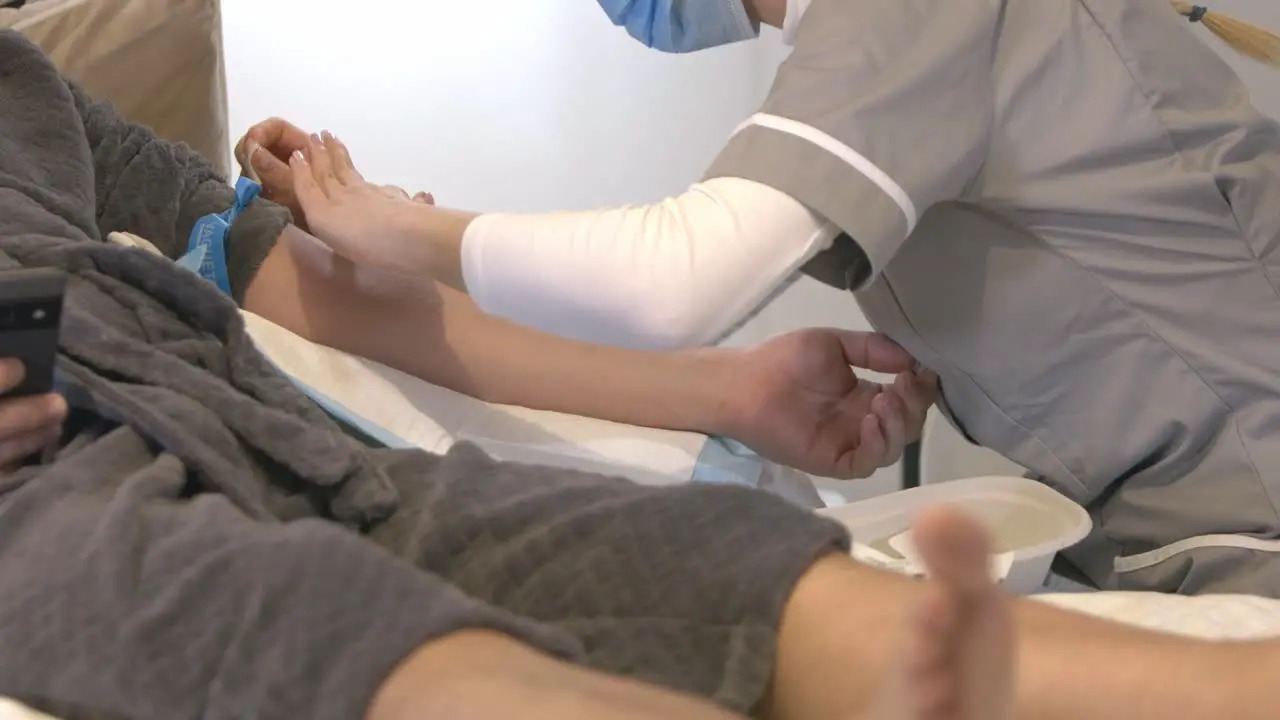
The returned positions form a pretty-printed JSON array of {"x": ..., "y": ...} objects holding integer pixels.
[{"x": 208, "y": 544}]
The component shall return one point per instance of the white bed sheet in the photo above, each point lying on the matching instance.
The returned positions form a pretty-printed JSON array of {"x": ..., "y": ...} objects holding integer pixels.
[{"x": 1212, "y": 617}]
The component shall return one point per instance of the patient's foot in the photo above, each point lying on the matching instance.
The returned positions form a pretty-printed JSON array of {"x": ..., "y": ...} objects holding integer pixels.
[{"x": 959, "y": 660}]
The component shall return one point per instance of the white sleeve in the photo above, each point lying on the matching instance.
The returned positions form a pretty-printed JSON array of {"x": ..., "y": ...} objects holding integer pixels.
[{"x": 678, "y": 273}]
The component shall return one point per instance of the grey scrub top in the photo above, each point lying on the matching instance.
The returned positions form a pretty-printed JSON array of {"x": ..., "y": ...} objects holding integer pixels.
[{"x": 1071, "y": 211}]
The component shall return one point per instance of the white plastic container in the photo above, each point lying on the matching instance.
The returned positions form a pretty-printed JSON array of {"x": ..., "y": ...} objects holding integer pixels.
[{"x": 1029, "y": 522}]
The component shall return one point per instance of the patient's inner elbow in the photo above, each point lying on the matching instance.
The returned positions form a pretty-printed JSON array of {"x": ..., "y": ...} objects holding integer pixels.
[{"x": 305, "y": 287}]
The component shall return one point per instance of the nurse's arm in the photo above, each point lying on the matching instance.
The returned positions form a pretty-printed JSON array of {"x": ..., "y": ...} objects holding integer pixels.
[
  {"x": 882, "y": 111},
  {"x": 678, "y": 273},
  {"x": 436, "y": 333}
]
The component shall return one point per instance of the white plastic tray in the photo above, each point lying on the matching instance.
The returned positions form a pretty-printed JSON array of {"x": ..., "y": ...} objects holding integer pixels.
[{"x": 1029, "y": 522}]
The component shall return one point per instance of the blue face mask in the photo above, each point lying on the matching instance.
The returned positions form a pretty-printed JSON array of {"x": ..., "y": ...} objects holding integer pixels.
[{"x": 682, "y": 26}]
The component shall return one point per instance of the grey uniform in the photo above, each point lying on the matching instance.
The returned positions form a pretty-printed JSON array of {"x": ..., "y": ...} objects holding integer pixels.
[{"x": 1070, "y": 210}]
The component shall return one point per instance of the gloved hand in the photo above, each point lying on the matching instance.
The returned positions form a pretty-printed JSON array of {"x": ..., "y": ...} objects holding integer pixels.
[
  {"x": 27, "y": 424},
  {"x": 796, "y": 400},
  {"x": 264, "y": 152}
]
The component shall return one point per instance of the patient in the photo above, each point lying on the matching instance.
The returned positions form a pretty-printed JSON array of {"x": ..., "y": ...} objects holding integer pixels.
[{"x": 205, "y": 542}]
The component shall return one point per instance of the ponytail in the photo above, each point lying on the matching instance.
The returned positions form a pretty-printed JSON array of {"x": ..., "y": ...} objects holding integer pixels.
[{"x": 1248, "y": 40}]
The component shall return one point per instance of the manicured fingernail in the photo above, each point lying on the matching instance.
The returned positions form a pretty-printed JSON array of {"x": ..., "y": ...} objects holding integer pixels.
[
  {"x": 315, "y": 138},
  {"x": 299, "y": 157}
]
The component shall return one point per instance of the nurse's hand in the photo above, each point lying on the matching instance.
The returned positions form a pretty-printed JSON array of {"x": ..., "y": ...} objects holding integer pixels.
[
  {"x": 369, "y": 224},
  {"x": 797, "y": 400},
  {"x": 266, "y": 148}
]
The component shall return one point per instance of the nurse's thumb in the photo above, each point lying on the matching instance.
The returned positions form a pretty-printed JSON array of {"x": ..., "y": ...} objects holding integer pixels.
[{"x": 875, "y": 352}]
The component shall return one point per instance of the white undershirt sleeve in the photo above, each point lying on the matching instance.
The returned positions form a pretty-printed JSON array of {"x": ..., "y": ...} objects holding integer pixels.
[{"x": 678, "y": 273}]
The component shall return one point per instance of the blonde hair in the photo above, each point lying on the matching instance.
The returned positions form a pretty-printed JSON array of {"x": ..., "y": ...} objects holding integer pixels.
[{"x": 1248, "y": 40}]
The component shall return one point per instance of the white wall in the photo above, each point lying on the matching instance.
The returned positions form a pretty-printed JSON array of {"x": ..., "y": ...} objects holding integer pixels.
[{"x": 491, "y": 104}]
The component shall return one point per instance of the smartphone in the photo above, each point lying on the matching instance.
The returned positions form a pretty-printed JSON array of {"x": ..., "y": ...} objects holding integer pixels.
[{"x": 30, "y": 319}]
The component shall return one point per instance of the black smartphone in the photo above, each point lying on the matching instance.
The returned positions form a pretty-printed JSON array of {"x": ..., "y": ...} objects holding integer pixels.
[{"x": 30, "y": 318}]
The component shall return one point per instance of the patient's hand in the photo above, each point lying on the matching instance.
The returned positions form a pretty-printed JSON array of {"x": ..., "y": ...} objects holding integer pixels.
[
  {"x": 27, "y": 424},
  {"x": 264, "y": 152},
  {"x": 797, "y": 400}
]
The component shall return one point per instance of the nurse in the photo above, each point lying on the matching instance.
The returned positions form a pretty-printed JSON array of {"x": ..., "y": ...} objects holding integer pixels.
[{"x": 1068, "y": 209}]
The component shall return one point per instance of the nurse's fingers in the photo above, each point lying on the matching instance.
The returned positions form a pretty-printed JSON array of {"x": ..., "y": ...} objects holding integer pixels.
[
  {"x": 873, "y": 351},
  {"x": 343, "y": 168},
  {"x": 321, "y": 164},
  {"x": 310, "y": 196}
]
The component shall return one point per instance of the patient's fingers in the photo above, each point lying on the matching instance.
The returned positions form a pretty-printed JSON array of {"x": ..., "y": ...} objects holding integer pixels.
[
  {"x": 35, "y": 414},
  {"x": 277, "y": 136},
  {"x": 343, "y": 168},
  {"x": 918, "y": 392},
  {"x": 321, "y": 164},
  {"x": 425, "y": 198},
  {"x": 273, "y": 175},
  {"x": 11, "y": 374},
  {"x": 866, "y": 459},
  {"x": 892, "y": 413},
  {"x": 14, "y": 450},
  {"x": 873, "y": 351}
]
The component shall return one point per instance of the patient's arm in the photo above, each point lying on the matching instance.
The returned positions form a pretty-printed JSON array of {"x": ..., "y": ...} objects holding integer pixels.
[
  {"x": 157, "y": 189},
  {"x": 438, "y": 334},
  {"x": 836, "y": 426},
  {"x": 794, "y": 400}
]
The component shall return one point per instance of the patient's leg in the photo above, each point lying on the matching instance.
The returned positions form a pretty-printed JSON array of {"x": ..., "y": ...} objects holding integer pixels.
[
  {"x": 845, "y": 624},
  {"x": 959, "y": 657}
]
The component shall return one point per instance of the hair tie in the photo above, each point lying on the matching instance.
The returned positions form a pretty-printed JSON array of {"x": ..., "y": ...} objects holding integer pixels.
[{"x": 1197, "y": 13}]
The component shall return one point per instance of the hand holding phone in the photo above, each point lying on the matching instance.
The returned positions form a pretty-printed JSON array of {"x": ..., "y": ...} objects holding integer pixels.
[
  {"x": 30, "y": 318},
  {"x": 31, "y": 415},
  {"x": 28, "y": 423}
]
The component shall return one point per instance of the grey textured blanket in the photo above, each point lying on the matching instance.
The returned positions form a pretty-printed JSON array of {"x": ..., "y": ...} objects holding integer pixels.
[{"x": 208, "y": 544}]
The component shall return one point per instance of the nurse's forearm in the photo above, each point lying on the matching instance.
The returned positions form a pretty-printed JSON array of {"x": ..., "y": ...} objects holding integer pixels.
[
  {"x": 677, "y": 273},
  {"x": 439, "y": 335},
  {"x": 442, "y": 231}
]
